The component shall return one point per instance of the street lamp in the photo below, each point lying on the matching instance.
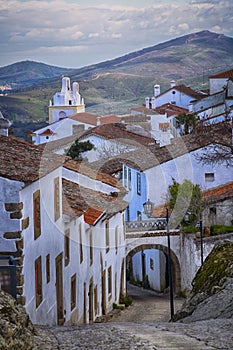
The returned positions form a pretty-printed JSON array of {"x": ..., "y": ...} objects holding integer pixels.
[
  {"x": 148, "y": 207},
  {"x": 201, "y": 238},
  {"x": 170, "y": 267},
  {"x": 187, "y": 216}
]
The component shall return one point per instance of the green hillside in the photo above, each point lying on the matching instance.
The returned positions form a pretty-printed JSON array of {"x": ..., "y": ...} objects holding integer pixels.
[{"x": 116, "y": 85}]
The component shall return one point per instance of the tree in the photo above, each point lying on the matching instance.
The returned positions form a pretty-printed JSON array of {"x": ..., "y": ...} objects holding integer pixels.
[
  {"x": 77, "y": 148},
  {"x": 220, "y": 149},
  {"x": 185, "y": 198},
  {"x": 188, "y": 121}
]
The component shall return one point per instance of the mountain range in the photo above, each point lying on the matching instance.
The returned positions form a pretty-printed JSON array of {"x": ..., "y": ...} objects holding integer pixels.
[{"x": 116, "y": 85}]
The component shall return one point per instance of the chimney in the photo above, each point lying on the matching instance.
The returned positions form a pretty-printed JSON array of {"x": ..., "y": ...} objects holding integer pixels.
[
  {"x": 97, "y": 121},
  {"x": 147, "y": 99},
  {"x": 4, "y": 125},
  {"x": 156, "y": 90},
  {"x": 173, "y": 83}
]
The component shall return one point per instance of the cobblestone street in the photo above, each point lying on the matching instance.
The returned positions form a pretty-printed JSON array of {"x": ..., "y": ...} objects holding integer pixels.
[{"x": 143, "y": 325}]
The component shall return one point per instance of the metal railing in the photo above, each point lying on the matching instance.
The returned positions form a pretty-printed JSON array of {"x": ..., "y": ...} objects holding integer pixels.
[{"x": 146, "y": 225}]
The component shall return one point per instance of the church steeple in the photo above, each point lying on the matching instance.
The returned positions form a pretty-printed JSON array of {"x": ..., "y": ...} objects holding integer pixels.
[{"x": 66, "y": 102}]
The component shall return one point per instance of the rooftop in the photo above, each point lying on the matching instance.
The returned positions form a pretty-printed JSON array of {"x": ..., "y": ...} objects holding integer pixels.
[
  {"x": 22, "y": 161},
  {"x": 148, "y": 157},
  {"x": 185, "y": 90},
  {"x": 78, "y": 200},
  {"x": 123, "y": 132},
  {"x": 225, "y": 74}
]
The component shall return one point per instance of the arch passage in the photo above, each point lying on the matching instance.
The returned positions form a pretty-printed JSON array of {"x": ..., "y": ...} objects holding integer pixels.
[{"x": 176, "y": 275}]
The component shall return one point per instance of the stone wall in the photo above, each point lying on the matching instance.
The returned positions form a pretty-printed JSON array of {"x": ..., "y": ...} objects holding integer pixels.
[{"x": 17, "y": 330}]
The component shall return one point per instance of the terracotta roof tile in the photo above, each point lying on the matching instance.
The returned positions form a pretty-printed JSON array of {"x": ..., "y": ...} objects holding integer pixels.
[
  {"x": 148, "y": 157},
  {"x": 170, "y": 109},
  {"x": 119, "y": 131},
  {"x": 78, "y": 199},
  {"x": 91, "y": 171},
  {"x": 93, "y": 119},
  {"x": 47, "y": 132},
  {"x": 85, "y": 117},
  {"x": 185, "y": 90},
  {"x": 219, "y": 193},
  {"x": 225, "y": 74},
  {"x": 22, "y": 161},
  {"x": 93, "y": 215}
]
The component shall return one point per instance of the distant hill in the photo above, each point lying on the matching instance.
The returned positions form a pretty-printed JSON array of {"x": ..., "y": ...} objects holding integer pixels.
[
  {"x": 116, "y": 85},
  {"x": 28, "y": 72}
]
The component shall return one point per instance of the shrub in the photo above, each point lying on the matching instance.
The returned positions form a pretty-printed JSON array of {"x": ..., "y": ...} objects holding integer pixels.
[
  {"x": 220, "y": 229},
  {"x": 190, "y": 229},
  {"x": 125, "y": 299},
  {"x": 115, "y": 306}
]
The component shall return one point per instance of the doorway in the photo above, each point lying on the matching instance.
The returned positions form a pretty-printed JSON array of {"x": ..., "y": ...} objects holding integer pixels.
[{"x": 59, "y": 290}]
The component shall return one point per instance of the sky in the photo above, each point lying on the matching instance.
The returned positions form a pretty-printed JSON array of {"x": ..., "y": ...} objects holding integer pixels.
[{"x": 74, "y": 34}]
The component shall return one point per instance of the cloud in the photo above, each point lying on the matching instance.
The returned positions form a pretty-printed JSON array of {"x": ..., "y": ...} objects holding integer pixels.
[
  {"x": 116, "y": 35},
  {"x": 93, "y": 27}
]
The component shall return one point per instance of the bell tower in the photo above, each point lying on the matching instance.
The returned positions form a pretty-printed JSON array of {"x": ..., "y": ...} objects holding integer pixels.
[{"x": 66, "y": 102}]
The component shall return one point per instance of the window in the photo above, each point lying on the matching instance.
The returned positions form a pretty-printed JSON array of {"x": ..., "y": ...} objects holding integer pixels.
[
  {"x": 110, "y": 280},
  {"x": 91, "y": 248},
  {"x": 115, "y": 285},
  {"x": 209, "y": 177},
  {"x": 73, "y": 292},
  {"x": 139, "y": 183},
  {"x": 38, "y": 281},
  {"x": 56, "y": 199},
  {"x": 107, "y": 234},
  {"x": 129, "y": 179},
  {"x": 151, "y": 264},
  {"x": 80, "y": 244},
  {"x": 67, "y": 246},
  {"x": 116, "y": 238},
  {"x": 36, "y": 214},
  {"x": 48, "y": 268},
  {"x": 125, "y": 176},
  {"x": 213, "y": 211}
]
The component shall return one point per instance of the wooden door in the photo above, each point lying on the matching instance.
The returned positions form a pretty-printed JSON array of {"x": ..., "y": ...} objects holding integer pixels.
[
  {"x": 91, "y": 301},
  {"x": 59, "y": 290},
  {"x": 104, "y": 292}
]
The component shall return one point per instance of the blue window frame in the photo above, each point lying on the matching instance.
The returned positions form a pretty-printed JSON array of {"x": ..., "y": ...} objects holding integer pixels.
[{"x": 139, "y": 183}]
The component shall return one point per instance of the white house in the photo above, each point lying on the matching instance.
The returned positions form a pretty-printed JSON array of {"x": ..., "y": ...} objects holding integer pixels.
[
  {"x": 114, "y": 139},
  {"x": 63, "y": 226},
  {"x": 65, "y": 127},
  {"x": 179, "y": 95},
  {"x": 219, "y": 104},
  {"x": 218, "y": 82}
]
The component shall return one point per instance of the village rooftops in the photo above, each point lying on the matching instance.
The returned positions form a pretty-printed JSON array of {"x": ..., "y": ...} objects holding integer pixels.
[
  {"x": 186, "y": 90},
  {"x": 219, "y": 193},
  {"x": 61, "y": 144},
  {"x": 129, "y": 134},
  {"x": 24, "y": 162},
  {"x": 171, "y": 110},
  {"x": 146, "y": 158},
  {"x": 78, "y": 200},
  {"x": 94, "y": 120},
  {"x": 93, "y": 173}
]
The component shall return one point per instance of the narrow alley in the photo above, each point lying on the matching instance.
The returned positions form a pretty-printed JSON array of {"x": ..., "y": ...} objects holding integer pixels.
[{"x": 143, "y": 325}]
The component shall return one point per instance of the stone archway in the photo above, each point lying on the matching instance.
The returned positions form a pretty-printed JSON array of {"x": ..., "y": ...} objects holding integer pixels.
[{"x": 176, "y": 273}]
